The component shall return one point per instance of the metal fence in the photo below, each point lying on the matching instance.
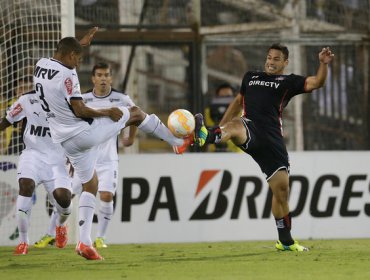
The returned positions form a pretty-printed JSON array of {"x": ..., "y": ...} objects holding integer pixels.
[{"x": 173, "y": 53}]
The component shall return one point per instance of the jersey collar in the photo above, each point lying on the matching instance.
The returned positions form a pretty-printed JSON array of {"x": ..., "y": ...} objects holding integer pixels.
[
  {"x": 55, "y": 60},
  {"x": 98, "y": 96}
]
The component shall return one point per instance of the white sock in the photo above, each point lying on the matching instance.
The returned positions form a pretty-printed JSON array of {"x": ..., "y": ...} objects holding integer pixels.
[
  {"x": 24, "y": 205},
  {"x": 63, "y": 213},
  {"x": 53, "y": 222},
  {"x": 86, "y": 213},
  {"x": 153, "y": 125},
  {"x": 104, "y": 217}
]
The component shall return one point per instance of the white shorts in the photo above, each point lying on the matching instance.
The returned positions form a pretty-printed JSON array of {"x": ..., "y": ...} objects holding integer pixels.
[
  {"x": 32, "y": 165},
  {"x": 81, "y": 149},
  {"x": 107, "y": 176}
]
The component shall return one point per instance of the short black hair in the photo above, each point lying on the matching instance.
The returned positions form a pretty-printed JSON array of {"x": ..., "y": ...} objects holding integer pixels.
[
  {"x": 68, "y": 45},
  {"x": 222, "y": 86},
  {"x": 100, "y": 65},
  {"x": 280, "y": 47}
]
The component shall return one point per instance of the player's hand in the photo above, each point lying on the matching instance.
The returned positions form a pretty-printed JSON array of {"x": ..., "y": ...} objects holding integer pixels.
[
  {"x": 86, "y": 40},
  {"x": 127, "y": 141},
  {"x": 115, "y": 114},
  {"x": 326, "y": 56}
]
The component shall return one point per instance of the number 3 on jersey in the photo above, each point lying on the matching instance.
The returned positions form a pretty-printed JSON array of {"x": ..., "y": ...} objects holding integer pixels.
[{"x": 40, "y": 90}]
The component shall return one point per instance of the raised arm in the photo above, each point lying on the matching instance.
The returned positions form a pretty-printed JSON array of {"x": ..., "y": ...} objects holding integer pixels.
[
  {"x": 87, "y": 38},
  {"x": 233, "y": 110},
  {"x": 315, "y": 82}
]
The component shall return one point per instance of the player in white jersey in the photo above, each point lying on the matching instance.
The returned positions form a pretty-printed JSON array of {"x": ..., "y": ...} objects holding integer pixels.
[
  {"x": 41, "y": 162},
  {"x": 103, "y": 96},
  {"x": 80, "y": 129}
]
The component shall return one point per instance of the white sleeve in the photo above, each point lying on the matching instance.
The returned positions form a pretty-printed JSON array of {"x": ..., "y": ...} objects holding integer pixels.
[
  {"x": 16, "y": 112},
  {"x": 71, "y": 86},
  {"x": 127, "y": 101}
]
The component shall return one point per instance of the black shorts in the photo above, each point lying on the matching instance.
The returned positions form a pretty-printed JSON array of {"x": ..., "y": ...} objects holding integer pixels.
[{"x": 267, "y": 148}]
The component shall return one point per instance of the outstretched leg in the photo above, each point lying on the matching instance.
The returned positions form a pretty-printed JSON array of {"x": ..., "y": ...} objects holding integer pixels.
[
  {"x": 151, "y": 124},
  {"x": 233, "y": 130}
]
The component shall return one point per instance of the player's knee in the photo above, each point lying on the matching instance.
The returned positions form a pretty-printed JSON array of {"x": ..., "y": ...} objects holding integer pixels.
[
  {"x": 281, "y": 193},
  {"x": 106, "y": 196},
  {"x": 26, "y": 187},
  {"x": 62, "y": 197},
  {"x": 237, "y": 132},
  {"x": 63, "y": 209},
  {"x": 280, "y": 187},
  {"x": 136, "y": 116},
  {"x": 284, "y": 192}
]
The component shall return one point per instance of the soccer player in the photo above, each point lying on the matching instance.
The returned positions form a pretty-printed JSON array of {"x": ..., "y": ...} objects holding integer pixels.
[
  {"x": 263, "y": 96},
  {"x": 81, "y": 129},
  {"x": 102, "y": 96},
  {"x": 41, "y": 162},
  {"x": 13, "y": 134}
]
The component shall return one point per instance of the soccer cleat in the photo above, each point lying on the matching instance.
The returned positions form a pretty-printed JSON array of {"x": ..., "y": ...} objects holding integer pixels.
[
  {"x": 294, "y": 247},
  {"x": 187, "y": 142},
  {"x": 61, "y": 236},
  {"x": 88, "y": 252},
  {"x": 200, "y": 131},
  {"x": 21, "y": 249},
  {"x": 45, "y": 241},
  {"x": 100, "y": 243}
]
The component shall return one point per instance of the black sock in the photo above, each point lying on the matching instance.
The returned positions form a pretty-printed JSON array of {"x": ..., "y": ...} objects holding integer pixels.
[
  {"x": 214, "y": 135},
  {"x": 284, "y": 226}
]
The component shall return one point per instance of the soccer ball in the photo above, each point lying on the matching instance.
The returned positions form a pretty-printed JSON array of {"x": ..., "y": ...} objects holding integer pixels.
[{"x": 181, "y": 123}]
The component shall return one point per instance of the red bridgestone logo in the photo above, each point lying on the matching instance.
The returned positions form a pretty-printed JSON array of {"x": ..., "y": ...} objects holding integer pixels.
[{"x": 205, "y": 177}]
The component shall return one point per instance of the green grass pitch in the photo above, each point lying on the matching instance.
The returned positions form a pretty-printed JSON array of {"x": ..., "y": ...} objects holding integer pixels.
[{"x": 327, "y": 259}]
